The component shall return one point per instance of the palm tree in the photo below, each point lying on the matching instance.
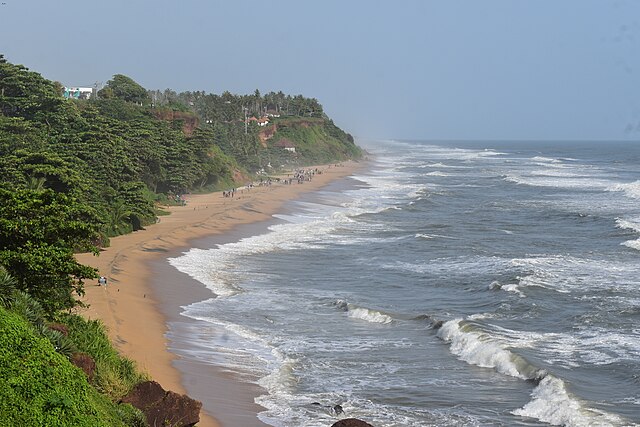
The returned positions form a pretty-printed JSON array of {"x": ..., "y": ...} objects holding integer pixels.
[
  {"x": 118, "y": 217},
  {"x": 36, "y": 183},
  {"x": 7, "y": 288}
]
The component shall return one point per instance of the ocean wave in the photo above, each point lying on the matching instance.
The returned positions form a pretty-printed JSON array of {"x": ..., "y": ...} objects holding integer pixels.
[
  {"x": 558, "y": 181},
  {"x": 480, "y": 264},
  {"x": 628, "y": 224},
  {"x": 550, "y": 403},
  {"x": 464, "y": 154},
  {"x": 436, "y": 173},
  {"x": 219, "y": 268},
  {"x": 566, "y": 274},
  {"x": 442, "y": 166},
  {"x": 545, "y": 159},
  {"x": 630, "y": 189},
  {"x": 633, "y": 244},
  {"x": 197, "y": 263},
  {"x": 475, "y": 347},
  {"x": 513, "y": 288},
  {"x": 586, "y": 346},
  {"x": 363, "y": 313}
]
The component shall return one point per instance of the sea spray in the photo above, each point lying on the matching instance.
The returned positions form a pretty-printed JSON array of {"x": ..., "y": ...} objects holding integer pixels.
[{"x": 551, "y": 403}]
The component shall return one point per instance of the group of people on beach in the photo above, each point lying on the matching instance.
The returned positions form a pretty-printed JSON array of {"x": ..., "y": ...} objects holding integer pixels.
[
  {"x": 300, "y": 176},
  {"x": 303, "y": 175}
]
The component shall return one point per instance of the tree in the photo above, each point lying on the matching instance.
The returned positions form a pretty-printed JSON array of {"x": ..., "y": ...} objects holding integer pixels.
[
  {"x": 125, "y": 88},
  {"x": 39, "y": 231}
]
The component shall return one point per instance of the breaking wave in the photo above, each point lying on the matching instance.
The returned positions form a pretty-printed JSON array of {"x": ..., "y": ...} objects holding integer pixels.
[
  {"x": 363, "y": 313},
  {"x": 551, "y": 402},
  {"x": 631, "y": 189}
]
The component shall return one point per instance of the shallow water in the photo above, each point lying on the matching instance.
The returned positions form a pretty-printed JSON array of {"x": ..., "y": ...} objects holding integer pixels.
[{"x": 525, "y": 254}]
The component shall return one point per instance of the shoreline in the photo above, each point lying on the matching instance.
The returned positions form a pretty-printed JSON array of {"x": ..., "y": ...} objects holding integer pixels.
[{"x": 134, "y": 305}]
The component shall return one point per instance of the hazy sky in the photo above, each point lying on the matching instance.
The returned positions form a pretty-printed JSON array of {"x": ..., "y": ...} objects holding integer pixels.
[{"x": 490, "y": 69}]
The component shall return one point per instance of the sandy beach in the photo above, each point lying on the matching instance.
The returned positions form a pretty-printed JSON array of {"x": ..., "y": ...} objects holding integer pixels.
[{"x": 133, "y": 305}]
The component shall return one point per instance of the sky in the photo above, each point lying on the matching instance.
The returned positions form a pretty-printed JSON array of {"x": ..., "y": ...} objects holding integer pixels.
[{"x": 394, "y": 69}]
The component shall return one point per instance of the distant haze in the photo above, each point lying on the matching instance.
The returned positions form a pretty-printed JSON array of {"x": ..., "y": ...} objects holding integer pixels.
[{"x": 537, "y": 69}]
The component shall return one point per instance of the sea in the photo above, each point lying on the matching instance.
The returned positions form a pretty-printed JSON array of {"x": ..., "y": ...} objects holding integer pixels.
[{"x": 445, "y": 284}]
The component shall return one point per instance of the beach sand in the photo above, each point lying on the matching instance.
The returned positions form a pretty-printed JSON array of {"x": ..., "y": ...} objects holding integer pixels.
[{"x": 139, "y": 299}]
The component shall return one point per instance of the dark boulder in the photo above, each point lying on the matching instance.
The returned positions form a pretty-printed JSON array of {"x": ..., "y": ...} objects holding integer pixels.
[
  {"x": 437, "y": 324},
  {"x": 84, "y": 362},
  {"x": 164, "y": 408},
  {"x": 351, "y": 422}
]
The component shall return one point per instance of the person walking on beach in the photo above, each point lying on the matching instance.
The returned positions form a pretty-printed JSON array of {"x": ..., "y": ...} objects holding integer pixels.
[{"x": 102, "y": 281}]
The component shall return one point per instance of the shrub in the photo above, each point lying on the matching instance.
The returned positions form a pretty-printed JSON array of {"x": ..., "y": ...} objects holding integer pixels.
[
  {"x": 115, "y": 375},
  {"x": 37, "y": 385}
]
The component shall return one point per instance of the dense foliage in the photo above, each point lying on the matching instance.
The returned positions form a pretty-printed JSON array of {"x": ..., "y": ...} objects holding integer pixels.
[
  {"x": 39, "y": 230},
  {"x": 40, "y": 387}
]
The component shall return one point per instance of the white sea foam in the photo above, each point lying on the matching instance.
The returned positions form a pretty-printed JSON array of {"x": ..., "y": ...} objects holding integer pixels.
[
  {"x": 586, "y": 346},
  {"x": 363, "y": 313},
  {"x": 477, "y": 348},
  {"x": 443, "y": 166},
  {"x": 629, "y": 224},
  {"x": 219, "y": 268},
  {"x": 556, "y": 181},
  {"x": 511, "y": 287},
  {"x": 545, "y": 159},
  {"x": 368, "y": 315},
  {"x": 480, "y": 264},
  {"x": 633, "y": 244},
  {"x": 568, "y": 274},
  {"x": 553, "y": 404},
  {"x": 630, "y": 189},
  {"x": 424, "y": 236},
  {"x": 437, "y": 173}
]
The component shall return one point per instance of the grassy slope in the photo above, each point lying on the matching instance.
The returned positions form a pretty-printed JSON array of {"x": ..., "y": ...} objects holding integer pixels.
[
  {"x": 316, "y": 140},
  {"x": 40, "y": 387}
]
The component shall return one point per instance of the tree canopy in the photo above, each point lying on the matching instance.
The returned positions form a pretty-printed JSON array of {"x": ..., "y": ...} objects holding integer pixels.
[{"x": 125, "y": 88}]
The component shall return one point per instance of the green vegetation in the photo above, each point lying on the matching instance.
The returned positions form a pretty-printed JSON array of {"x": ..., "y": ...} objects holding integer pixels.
[
  {"x": 76, "y": 172},
  {"x": 315, "y": 141},
  {"x": 115, "y": 375},
  {"x": 40, "y": 387}
]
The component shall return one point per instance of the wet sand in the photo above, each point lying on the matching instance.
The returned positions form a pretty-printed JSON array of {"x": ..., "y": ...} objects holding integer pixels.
[{"x": 144, "y": 294}]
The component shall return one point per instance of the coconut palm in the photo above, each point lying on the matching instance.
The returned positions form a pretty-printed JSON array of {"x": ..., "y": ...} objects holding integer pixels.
[
  {"x": 7, "y": 288},
  {"x": 118, "y": 217},
  {"x": 36, "y": 184}
]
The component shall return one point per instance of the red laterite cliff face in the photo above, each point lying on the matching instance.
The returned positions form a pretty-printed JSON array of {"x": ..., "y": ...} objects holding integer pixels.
[
  {"x": 266, "y": 134},
  {"x": 189, "y": 120}
]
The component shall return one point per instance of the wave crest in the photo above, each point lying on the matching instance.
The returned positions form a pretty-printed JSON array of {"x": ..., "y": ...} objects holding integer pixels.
[
  {"x": 630, "y": 189},
  {"x": 551, "y": 403},
  {"x": 363, "y": 313},
  {"x": 476, "y": 348}
]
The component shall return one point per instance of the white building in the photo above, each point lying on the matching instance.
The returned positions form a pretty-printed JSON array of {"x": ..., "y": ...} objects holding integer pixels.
[{"x": 78, "y": 92}]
